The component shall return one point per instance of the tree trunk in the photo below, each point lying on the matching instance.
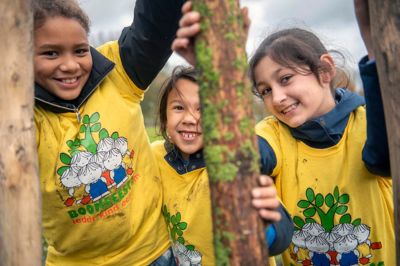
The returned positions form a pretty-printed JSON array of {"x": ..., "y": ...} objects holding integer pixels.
[
  {"x": 228, "y": 126},
  {"x": 385, "y": 22},
  {"x": 20, "y": 230}
]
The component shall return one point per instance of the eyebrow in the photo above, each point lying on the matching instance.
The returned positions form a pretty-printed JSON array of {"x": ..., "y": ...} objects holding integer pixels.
[
  {"x": 52, "y": 46},
  {"x": 275, "y": 73}
]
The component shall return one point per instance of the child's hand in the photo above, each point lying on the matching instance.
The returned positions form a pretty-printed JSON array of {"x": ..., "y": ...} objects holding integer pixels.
[
  {"x": 189, "y": 27},
  {"x": 362, "y": 13},
  {"x": 265, "y": 200}
]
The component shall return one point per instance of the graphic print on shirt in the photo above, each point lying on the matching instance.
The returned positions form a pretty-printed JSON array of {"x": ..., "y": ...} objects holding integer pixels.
[
  {"x": 185, "y": 253},
  {"x": 97, "y": 176},
  {"x": 317, "y": 240}
]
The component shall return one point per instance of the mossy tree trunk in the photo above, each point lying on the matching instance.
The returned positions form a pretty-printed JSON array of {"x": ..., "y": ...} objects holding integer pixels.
[
  {"x": 20, "y": 230},
  {"x": 228, "y": 127},
  {"x": 385, "y": 22}
]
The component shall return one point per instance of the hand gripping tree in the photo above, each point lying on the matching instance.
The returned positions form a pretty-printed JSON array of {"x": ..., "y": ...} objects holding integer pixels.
[
  {"x": 228, "y": 126},
  {"x": 385, "y": 27},
  {"x": 20, "y": 230}
]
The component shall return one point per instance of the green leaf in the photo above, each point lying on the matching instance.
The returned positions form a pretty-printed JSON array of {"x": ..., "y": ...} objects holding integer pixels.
[
  {"x": 190, "y": 247},
  {"x": 77, "y": 142},
  {"x": 381, "y": 263},
  {"x": 303, "y": 204},
  {"x": 115, "y": 135},
  {"x": 103, "y": 133},
  {"x": 336, "y": 193},
  {"x": 65, "y": 158},
  {"x": 356, "y": 222},
  {"x": 182, "y": 225},
  {"x": 173, "y": 233},
  {"x": 329, "y": 200},
  {"x": 310, "y": 194},
  {"x": 61, "y": 170},
  {"x": 345, "y": 219},
  {"x": 310, "y": 220},
  {"x": 70, "y": 143},
  {"x": 310, "y": 212},
  {"x": 319, "y": 200},
  {"x": 168, "y": 218},
  {"x": 173, "y": 220},
  {"x": 179, "y": 232},
  {"x": 82, "y": 128},
  {"x": 181, "y": 240},
  {"x": 178, "y": 217},
  {"x": 298, "y": 221},
  {"x": 165, "y": 211},
  {"x": 96, "y": 127},
  {"x": 86, "y": 119},
  {"x": 94, "y": 118},
  {"x": 341, "y": 209},
  {"x": 344, "y": 199}
]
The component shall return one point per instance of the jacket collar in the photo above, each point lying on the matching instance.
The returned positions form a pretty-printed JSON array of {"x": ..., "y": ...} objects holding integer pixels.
[
  {"x": 327, "y": 130},
  {"x": 101, "y": 67},
  {"x": 180, "y": 165}
]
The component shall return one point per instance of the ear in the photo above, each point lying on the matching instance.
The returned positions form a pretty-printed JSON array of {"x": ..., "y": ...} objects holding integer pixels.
[{"x": 329, "y": 72}]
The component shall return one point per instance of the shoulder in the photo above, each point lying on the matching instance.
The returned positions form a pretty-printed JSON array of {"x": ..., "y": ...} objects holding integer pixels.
[
  {"x": 268, "y": 127},
  {"x": 158, "y": 147}
]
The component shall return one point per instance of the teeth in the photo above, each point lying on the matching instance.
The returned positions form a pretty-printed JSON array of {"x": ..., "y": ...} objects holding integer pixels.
[
  {"x": 189, "y": 135},
  {"x": 289, "y": 108},
  {"x": 69, "y": 81}
]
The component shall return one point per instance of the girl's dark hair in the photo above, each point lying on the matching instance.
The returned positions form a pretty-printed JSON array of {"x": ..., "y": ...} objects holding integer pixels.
[
  {"x": 179, "y": 72},
  {"x": 43, "y": 9},
  {"x": 295, "y": 48}
]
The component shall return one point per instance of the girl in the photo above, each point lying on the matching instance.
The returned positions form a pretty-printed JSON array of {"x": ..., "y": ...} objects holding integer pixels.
[
  {"x": 101, "y": 194},
  {"x": 313, "y": 147},
  {"x": 187, "y": 207},
  {"x": 327, "y": 171}
]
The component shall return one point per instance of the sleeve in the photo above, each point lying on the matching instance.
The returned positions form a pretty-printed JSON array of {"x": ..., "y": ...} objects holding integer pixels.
[
  {"x": 145, "y": 46},
  {"x": 375, "y": 153},
  {"x": 267, "y": 156},
  {"x": 279, "y": 235}
]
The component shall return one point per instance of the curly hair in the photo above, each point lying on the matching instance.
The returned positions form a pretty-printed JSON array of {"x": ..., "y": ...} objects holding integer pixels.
[{"x": 43, "y": 9}]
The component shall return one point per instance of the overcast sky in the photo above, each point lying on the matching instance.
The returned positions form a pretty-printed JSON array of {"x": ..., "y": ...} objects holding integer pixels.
[{"x": 332, "y": 20}]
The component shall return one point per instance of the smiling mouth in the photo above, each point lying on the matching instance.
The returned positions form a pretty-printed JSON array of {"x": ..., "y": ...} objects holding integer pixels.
[
  {"x": 188, "y": 136},
  {"x": 289, "y": 108},
  {"x": 67, "y": 81}
]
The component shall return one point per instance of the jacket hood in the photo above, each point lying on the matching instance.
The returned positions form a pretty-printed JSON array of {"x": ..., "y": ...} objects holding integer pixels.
[{"x": 327, "y": 130}]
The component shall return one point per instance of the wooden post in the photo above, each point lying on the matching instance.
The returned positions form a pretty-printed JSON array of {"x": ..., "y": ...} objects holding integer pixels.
[
  {"x": 228, "y": 128},
  {"x": 20, "y": 208},
  {"x": 385, "y": 23}
]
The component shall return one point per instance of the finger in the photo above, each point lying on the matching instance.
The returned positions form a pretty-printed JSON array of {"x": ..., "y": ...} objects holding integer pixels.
[
  {"x": 189, "y": 19},
  {"x": 246, "y": 18},
  {"x": 270, "y": 204},
  {"x": 179, "y": 44},
  {"x": 270, "y": 216},
  {"x": 188, "y": 32},
  {"x": 264, "y": 193},
  {"x": 187, "y": 6},
  {"x": 265, "y": 180}
]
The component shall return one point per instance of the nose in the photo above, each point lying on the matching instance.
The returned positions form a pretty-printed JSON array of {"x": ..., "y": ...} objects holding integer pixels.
[
  {"x": 69, "y": 64},
  {"x": 278, "y": 96},
  {"x": 190, "y": 118}
]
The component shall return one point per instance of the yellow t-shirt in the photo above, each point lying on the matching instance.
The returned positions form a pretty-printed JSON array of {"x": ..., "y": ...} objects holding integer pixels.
[
  {"x": 101, "y": 193},
  {"x": 187, "y": 211},
  {"x": 336, "y": 204}
]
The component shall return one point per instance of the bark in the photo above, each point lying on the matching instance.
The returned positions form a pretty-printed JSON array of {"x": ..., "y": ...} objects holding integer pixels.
[
  {"x": 20, "y": 230},
  {"x": 385, "y": 22},
  {"x": 228, "y": 126}
]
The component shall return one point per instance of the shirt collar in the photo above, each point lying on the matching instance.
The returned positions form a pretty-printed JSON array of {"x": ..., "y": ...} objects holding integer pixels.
[{"x": 180, "y": 165}]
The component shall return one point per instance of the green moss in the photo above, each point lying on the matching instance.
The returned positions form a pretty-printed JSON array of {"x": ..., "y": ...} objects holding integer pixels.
[
  {"x": 219, "y": 168},
  {"x": 222, "y": 253},
  {"x": 228, "y": 136},
  {"x": 230, "y": 36},
  {"x": 244, "y": 125}
]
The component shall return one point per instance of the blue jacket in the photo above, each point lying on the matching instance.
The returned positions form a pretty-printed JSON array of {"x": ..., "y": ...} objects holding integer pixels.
[{"x": 327, "y": 130}]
